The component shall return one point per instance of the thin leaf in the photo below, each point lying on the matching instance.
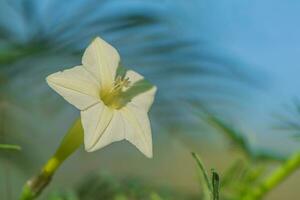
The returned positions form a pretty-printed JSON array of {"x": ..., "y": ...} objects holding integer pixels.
[
  {"x": 10, "y": 147},
  {"x": 207, "y": 189}
]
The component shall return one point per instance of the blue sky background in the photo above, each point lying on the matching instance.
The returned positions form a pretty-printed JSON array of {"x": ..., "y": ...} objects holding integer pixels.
[{"x": 264, "y": 36}]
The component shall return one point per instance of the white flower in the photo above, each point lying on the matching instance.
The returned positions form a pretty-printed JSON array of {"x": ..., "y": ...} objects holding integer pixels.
[{"x": 114, "y": 102}]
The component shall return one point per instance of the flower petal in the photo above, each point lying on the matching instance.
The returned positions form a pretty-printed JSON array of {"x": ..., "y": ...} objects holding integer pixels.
[
  {"x": 102, "y": 60},
  {"x": 144, "y": 92},
  {"x": 137, "y": 129},
  {"x": 76, "y": 85},
  {"x": 113, "y": 133},
  {"x": 96, "y": 124}
]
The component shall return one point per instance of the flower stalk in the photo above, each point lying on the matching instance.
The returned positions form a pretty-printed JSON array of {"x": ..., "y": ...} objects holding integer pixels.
[
  {"x": 70, "y": 143},
  {"x": 281, "y": 173}
]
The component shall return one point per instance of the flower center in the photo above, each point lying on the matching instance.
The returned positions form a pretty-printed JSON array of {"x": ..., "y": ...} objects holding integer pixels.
[{"x": 113, "y": 97}]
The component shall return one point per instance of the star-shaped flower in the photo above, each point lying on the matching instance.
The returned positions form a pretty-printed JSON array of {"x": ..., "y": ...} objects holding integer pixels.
[{"x": 114, "y": 102}]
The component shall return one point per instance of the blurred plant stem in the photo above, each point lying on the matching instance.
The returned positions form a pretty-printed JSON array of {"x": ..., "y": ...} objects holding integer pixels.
[
  {"x": 70, "y": 143},
  {"x": 275, "y": 178}
]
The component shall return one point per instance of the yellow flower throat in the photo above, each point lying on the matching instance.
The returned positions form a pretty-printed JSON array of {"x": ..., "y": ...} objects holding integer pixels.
[{"x": 114, "y": 97}]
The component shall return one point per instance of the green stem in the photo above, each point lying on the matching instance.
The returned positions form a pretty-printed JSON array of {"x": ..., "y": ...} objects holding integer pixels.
[
  {"x": 281, "y": 173},
  {"x": 70, "y": 143}
]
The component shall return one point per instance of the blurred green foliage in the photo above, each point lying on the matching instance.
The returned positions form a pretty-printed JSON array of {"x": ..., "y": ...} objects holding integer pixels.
[
  {"x": 289, "y": 119},
  {"x": 249, "y": 177},
  {"x": 106, "y": 186}
]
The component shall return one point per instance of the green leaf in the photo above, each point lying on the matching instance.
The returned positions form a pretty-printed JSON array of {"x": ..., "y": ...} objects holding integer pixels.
[
  {"x": 10, "y": 147},
  {"x": 207, "y": 187}
]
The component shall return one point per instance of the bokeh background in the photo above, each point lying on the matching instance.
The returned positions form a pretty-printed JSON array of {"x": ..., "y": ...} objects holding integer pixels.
[{"x": 235, "y": 61}]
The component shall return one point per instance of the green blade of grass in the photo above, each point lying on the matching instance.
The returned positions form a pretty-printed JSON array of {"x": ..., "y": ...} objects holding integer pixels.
[
  {"x": 10, "y": 147},
  {"x": 208, "y": 191}
]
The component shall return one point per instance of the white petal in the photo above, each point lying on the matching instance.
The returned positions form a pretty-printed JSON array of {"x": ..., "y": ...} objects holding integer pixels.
[
  {"x": 96, "y": 122},
  {"x": 76, "y": 85},
  {"x": 102, "y": 60},
  {"x": 137, "y": 129},
  {"x": 145, "y": 99},
  {"x": 113, "y": 133},
  {"x": 133, "y": 76}
]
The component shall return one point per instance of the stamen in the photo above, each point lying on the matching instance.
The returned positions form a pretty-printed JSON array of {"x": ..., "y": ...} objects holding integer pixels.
[
  {"x": 113, "y": 97},
  {"x": 120, "y": 83}
]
